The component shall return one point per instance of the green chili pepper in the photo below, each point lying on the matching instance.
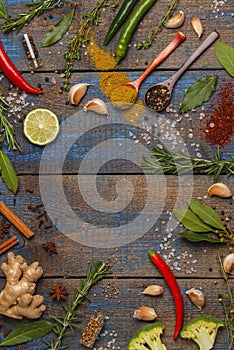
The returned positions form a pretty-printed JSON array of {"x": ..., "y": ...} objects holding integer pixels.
[
  {"x": 130, "y": 26},
  {"x": 123, "y": 13}
]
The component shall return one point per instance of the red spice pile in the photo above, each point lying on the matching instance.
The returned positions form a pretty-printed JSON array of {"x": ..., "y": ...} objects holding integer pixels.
[{"x": 219, "y": 128}]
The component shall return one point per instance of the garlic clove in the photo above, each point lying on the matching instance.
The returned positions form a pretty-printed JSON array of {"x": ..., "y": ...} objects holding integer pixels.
[
  {"x": 96, "y": 105},
  {"x": 219, "y": 189},
  {"x": 77, "y": 92},
  {"x": 228, "y": 263},
  {"x": 197, "y": 297},
  {"x": 144, "y": 313},
  {"x": 153, "y": 290},
  {"x": 197, "y": 26},
  {"x": 176, "y": 21}
]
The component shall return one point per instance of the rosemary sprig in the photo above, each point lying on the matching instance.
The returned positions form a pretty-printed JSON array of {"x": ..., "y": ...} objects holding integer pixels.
[
  {"x": 167, "y": 15},
  {"x": 8, "y": 130},
  {"x": 68, "y": 319},
  {"x": 181, "y": 163},
  {"x": 81, "y": 38},
  {"x": 227, "y": 301},
  {"x": 36, "y": 9}
]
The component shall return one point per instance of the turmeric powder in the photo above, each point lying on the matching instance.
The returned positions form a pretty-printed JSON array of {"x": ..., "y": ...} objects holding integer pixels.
[{"x": 111, "y": 82}]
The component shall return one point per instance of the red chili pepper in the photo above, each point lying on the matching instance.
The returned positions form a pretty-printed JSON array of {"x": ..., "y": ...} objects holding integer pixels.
[
  {"x": 171, "y": 281},
  {"x": 14, "y": 75}
]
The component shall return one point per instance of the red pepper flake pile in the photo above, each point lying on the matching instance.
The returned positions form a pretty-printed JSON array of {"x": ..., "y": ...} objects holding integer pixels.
[{"x": 219, "y": 129}]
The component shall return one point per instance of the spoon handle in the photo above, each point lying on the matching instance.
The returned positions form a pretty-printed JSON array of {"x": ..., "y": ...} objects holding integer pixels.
[
  {"x": 206, "y": 43},
  {"x": 176, "y": 41}
]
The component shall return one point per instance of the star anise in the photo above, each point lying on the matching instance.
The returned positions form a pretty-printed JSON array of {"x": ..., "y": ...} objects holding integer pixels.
[
  {"x": 58, "y": 292},
  {"x": 50, "y": 247},
  {"x": 4, "y": 228}
]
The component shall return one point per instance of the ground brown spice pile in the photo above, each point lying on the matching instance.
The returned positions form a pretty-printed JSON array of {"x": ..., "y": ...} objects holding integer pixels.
[{"x": 111, "y": 82}]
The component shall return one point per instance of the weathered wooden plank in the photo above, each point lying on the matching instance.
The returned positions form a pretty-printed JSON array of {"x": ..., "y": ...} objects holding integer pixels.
[
  {"x": 119, "y": 308},
  {"x": 220, "y": 21},
  {"x": 118, "y": 224},
  {"x": 188, "y": 128}
]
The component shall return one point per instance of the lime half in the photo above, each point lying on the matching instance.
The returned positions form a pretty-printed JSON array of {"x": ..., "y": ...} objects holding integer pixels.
[{"x": 41, "y": 126}]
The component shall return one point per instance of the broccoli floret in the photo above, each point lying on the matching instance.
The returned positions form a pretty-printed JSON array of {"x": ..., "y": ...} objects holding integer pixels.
[
  {"x": 147, "y": 338},
  {"x": 203, "y": 330}
]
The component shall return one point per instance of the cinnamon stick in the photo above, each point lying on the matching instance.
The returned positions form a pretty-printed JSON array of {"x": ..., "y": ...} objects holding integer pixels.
[
  {"x": 15, "y": 220},
  {"x": 11, "y": 242}
]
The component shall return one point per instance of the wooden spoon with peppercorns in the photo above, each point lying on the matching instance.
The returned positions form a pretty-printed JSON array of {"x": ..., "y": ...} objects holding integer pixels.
[{"x": 158, "y": 96}]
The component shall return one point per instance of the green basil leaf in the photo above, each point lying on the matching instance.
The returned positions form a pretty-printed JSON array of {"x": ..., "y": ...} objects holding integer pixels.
[
  {"x": 28, "y": 332},
  {"x": 225, "y": 55},
  {"x": 58, "y": 30},
  {"x": 198, "y": 93},
  {"x": 191, "y": 221},
  {"x": 3, "y": 13},
  {"x": 206, "y": 214},
  {"x": 8, "y": 172},
  {"x": 198, "y": 237}
]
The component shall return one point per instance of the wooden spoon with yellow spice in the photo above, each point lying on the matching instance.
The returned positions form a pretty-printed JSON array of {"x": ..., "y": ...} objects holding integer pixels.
[{"x": 128, "y": 92}]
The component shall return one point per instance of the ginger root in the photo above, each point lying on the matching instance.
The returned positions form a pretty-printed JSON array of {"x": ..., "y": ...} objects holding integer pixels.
[{"x": 17, "y": 299}]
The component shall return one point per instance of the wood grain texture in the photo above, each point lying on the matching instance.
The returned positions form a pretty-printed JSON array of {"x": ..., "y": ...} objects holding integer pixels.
[
  {"x": 112, "y": 177},
  {"x": 119, "y": 309},
  {"x": 134, "y": 60},
  {"x": 189, "y": 127},
  {"x": 129, "y": 259}
]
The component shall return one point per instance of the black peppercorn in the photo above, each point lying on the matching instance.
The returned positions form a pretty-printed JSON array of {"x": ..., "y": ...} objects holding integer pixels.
[{"x": 157, "y": 97}]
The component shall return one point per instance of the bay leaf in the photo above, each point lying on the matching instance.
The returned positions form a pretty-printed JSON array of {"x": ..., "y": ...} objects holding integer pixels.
[
  {"x": 3, "y": 13},
  {"x": 8, "y": 172},
  {"x": 206, "y": 214},
  {"x": 58, "y": 30},
  {"x": 225, "y": 55},
  {"x": 191, "y": 221},
  {"x": 198, "y": 237},
  {"x": 28, "y": 332},
  {"x": 198, "y": 93}
]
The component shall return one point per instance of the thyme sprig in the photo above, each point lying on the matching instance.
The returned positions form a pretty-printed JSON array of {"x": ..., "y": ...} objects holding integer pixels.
[
  {"x": 167, "y": 15},
  {"x": 181, "y": 163},
  {"x": 81, "y": 38},
  {"x": 36, "y": 9},
  {"x": 67, "y": 321},
  {"x": 227, "y": 301},
  {"x": 8, "y": 129}
]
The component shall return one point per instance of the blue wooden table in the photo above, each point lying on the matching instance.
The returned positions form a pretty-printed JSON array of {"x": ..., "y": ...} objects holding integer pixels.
[{"x": 100, "y": 202}]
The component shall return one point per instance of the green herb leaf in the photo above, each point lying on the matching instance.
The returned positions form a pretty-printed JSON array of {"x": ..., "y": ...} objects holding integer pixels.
[
  {"x": 198, "y": 93},
  {"x": 8, "y": 172},
  {"x": 3, "y": 13},
  {"x": 58, "y": 30},
  {"x": 206, "y": 214},
  {"x": 197, "y": 237},
  {"x": 28, "y": 332},
  {"x": 191, "y": 221},
  {"x": 225, "y": 55}
]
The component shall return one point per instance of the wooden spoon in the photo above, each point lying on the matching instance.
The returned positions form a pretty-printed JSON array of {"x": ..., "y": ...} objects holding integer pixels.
[
  {"x": 177, "y": 40},
  {"x": 158, "y": 96}
]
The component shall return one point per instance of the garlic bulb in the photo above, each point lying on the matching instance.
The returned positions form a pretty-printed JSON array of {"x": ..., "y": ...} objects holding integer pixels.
[
  {"x": 145, "y": 313},
  {"x": 197, "y": 297},
  {"x": 76, "y": 93},
  {"x": 96, "y": 105},
  {"x": 228, "y": 263},
  {"x": 219, "y": 189},
  {"x": 176, "y": 21},
  {"x": 197, "y": 26},
  {"x": 153, "y": 290}
]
